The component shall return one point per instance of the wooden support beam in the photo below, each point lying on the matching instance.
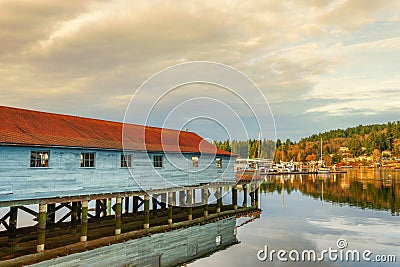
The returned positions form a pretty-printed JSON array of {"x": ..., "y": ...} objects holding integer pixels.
[
  {"x": 154, "y": 204},
  {"x": 126, "y": 208},
  {"x": 84, "y": 221},
  {"x": 252, "y": 199},
  {"x": 204, "y": 200},
  {"x": 27, "y": 210},
  {"x": 219, "y": 199},
  {"x": 146, "y": 213},
  {"x": 189, "y": 202},
  {"x": 170, "y": 205},
  {"x": 64, "y": 217},
  {"x": 12, "y": 223},
  {"x": 182, "y": 196},
  {"x": 135, "y": 204},
  {"x": 256, "y": 197},
  {"x": 118, "y": 215},
  {"x": 104, "y": 207},
  {"x": 173, "y": 198},
  {"x": 3, "y": 220},
  {"x": 79, "y": 211},
  {"x": 51, "y": 216},
  {"x": 163, "y": 200},
  {"x": 74, "y": 214},
  {"x": 51, "y": 213},
  {"x": 41, "y": 227},
  {"x": 99, "y": 207},
  {"x": 234, "y": 198},
  {"x": 108, "y": 207},
  {"x": 244, "y": 196}
]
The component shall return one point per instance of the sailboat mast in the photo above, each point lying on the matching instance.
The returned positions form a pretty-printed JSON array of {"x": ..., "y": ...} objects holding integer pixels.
[{"x": 321, "y": 151}]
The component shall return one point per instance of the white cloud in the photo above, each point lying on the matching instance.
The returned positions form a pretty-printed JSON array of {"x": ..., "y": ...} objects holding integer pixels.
[{"x": 95, "y": 54}]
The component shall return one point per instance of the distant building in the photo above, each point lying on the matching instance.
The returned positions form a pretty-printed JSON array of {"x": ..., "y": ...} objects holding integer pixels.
[
  {"x": 365, "y": 158},
  {"x": 343, "y": 150},
  {"x": 386, "y": 153},
  {"x": 49, "y": 155}
]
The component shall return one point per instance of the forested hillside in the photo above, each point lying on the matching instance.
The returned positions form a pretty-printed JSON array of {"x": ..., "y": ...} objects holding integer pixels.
[{"x": 368, "y": 140}]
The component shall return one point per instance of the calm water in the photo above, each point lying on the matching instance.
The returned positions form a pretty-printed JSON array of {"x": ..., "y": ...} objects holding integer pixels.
[{"x": 311, "y": 212}]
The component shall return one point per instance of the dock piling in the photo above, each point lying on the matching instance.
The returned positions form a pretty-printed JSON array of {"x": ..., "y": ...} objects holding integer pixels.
[
  {"x": 234, "y": 197},
  {"x": 170, "y": 205},
  {"x": 146, "y": 213},
  {"x": 118, "y": 215},
  {"x": 244, "y": 196},
  {"x": 189, "y": 201},
  {"x": 84, "y": 220},
  {"x": 41, "y": 227}
]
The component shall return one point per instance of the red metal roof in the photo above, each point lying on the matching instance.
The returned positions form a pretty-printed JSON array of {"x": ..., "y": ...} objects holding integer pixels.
[{"x": 35, "y": 128}]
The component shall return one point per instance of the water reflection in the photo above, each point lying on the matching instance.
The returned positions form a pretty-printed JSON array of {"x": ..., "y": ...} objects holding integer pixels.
[
  {"x": 313, "y": 212},
  {"x": 378, "y": 190}
]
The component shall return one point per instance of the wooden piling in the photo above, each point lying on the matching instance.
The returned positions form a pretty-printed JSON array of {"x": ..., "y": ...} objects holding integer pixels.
[
  {"x": 182, "y": 198},
  {"x": 74, "y": 216},
  {"x": 51, "y": 214},
  {"x": 170, "y": 205},
  {"x": 252, "y": 199},
  {"x": 84, "y": 220},
  {"x": 126, "y": 209},
  {"x": 108, "y": 207},
  {"x": 12, "y": 224},
  {"x": 256, "y": 197},
  {"x": 154, "y": 204},
  {"x": 135, "y": 204},
  {"x": 146, "y": 213},
  {"x": 41, "y": 227},
  {"x": 173, "y": 198},
  {"x": 204, "y": 198},
  {"x": 219, "y": 199},
  {"x": 79, "y": 210},
  {"x": 234, "y": 198},
  {"x": 189, "y": 202},
  {"x": 99, "y": 207},
  {"x": 244, "y": 196},
  {"x": 163, "y": 201},
  {"x": 118, "y": 216}
]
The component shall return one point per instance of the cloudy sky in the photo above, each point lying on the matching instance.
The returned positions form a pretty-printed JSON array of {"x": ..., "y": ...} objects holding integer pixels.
[{"x": 321, "y": 64}]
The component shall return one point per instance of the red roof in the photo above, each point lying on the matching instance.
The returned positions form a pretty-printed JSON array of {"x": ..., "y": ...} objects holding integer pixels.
[{"x": 35, "y": 128}]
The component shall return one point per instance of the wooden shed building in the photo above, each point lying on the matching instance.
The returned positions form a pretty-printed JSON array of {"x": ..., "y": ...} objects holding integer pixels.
[{"x": 46, "y": 155}]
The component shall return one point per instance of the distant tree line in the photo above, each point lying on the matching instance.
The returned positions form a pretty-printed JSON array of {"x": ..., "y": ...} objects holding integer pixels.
[
  {"x": 373, "y": 137},
  {"x": 369, "y": 140},
  {"x": 251, "y": 148}
]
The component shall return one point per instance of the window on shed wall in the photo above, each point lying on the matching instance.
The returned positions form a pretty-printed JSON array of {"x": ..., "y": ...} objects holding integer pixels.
[
  {"x": 218, "y": 240},
  {"x": 39, "y": 159},
  {"x": 126, "y": 160},
  {"x": 218, "y": 162},
  {"x": 87, "y": 160},
  {"x": 195, "y": 161},
  {"x": 157, "y": 161}
]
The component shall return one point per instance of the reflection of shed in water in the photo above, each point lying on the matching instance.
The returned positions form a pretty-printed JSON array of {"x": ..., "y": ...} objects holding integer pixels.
[{"x": 163, "y": 249}]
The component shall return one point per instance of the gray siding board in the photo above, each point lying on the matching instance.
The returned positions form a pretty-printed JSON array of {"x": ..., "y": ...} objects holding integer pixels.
[{"x": 65, "y": 177}]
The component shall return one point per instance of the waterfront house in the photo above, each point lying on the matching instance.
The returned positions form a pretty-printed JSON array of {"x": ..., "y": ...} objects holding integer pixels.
[{"x": 53, "y": 155}]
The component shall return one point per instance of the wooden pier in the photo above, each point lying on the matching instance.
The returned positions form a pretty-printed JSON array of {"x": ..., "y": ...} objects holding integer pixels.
[
  {"x": 84, "y": 228},
  {"x": 252, "y": 176}
]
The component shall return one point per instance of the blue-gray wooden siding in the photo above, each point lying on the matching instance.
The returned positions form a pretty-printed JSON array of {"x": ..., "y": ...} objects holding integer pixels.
[
  {"x": 174, "y": 247},
  {"x": 65, "y": 177}
]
